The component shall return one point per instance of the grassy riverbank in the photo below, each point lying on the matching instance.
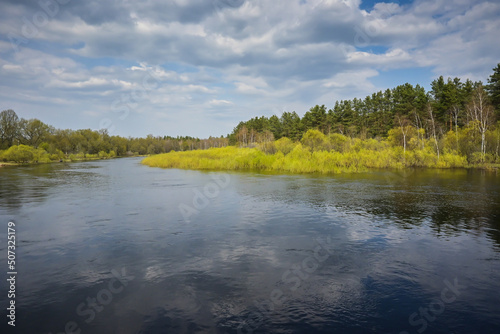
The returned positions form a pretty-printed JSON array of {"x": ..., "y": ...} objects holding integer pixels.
[
  {"x": 35, "y": 162},
  {"x": 318, "y": 153},
  {"x": 24, "y": 155},
  {"x": 303, "y": 160}
]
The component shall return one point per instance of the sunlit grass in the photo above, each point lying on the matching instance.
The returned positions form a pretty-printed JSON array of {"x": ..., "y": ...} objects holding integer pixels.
[{"x": 357, "y": 156}]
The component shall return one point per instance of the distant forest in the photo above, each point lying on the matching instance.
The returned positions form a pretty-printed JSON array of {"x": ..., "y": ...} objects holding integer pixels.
[
  {"x": 32, "y": 140},
  {"x": 454, "y": 116}
]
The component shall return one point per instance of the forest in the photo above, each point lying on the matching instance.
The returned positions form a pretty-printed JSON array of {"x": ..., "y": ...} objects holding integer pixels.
[
  {"x": 452, "y": 125},
  {"x": 31, "y": 140}
]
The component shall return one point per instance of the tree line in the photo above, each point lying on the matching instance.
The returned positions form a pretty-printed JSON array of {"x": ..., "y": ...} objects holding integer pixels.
[
  {"x": 453, "y": 115},
  {"x": 26, "y": 140}
]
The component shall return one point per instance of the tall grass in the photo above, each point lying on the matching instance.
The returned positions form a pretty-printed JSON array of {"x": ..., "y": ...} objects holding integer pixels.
[{"x": 355, "y": 156}]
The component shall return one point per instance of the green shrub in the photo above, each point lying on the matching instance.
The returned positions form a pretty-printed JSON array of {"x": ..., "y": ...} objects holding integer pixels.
[
  {"x": 19, "y": 153},
  {"x": 284, "y": 145}
]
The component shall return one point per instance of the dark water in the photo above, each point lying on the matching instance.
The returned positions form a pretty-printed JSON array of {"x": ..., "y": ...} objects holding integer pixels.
[{"x": 117, "y": 247}]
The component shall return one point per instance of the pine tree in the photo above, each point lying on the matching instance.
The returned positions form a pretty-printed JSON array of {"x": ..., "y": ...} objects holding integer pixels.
[{"x": 493, "y": 88}]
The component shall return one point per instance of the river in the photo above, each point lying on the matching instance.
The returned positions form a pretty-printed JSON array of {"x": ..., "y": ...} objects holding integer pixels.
[{"x": 113, "y": 246}]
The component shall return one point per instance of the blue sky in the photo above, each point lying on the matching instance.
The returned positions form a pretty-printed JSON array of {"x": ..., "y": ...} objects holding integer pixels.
[
  {"x": 198, "y": 67},
  {"x": 369, "y": 4}
]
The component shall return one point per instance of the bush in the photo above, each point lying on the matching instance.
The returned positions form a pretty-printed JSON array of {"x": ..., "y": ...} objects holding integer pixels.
[
  {"x": 268, "y": 147},
  {"x": 315, "y": 140},
  {"x": 284, "y": 145},
  {"x": 476, "y": 158},
  {"x": 57, "y": 155},
  {"x": 338, "y": 142},
  {"x": 19, "y": 154},
  {"x": 44, "y": 146}
]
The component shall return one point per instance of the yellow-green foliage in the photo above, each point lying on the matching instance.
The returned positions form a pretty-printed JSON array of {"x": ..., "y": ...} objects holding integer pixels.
[
  {"x": 74, "y": 157},
  {"x": 315, "y": 140},
  {"x": 104, "y": 155},
  {"x": 24, "y": 154},
  {"x": 315, "y": 153},
  {"x": 338, "y": 142},
  {"x": 29, "y": 154},
  {"x": 284, "y": 145}
]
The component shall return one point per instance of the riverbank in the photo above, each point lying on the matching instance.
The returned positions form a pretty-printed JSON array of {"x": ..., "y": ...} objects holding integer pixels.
[
  {"x": 66, "y": 160},
  {"x": 301, "y": 159},
  {"x": 11, "y": 164},
  {"x": 5, "y": 164},
  {"x": 19, "y": 155}
]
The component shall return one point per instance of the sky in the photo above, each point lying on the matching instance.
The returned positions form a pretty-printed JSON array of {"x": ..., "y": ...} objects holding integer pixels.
[{"x": 198, "y": 67}]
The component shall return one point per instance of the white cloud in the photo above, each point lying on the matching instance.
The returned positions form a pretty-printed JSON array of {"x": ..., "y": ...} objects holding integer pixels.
[
  {"x": 389, "y": 59},
  {"x": 215, "y": 102},
  {"x": 13, "y": 68},
  {"x": 93, "y": 81}
]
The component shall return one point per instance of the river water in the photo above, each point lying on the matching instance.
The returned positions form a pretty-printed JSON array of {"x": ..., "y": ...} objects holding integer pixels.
[{"x": 113, "y": 246}]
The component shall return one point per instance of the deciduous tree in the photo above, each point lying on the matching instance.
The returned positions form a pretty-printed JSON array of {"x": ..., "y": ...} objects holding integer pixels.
[
  {"x": 480, "y": 111},
  {"x": 9, "y": 128}
]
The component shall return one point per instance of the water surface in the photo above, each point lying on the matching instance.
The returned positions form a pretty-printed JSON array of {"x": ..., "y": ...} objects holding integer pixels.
[{"x": 116, "y": 247}]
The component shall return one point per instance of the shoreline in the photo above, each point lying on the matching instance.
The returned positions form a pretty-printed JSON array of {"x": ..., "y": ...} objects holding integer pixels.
[
  {"x": 32, "y": 163},
  {"x": 365, "y": 170}
]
